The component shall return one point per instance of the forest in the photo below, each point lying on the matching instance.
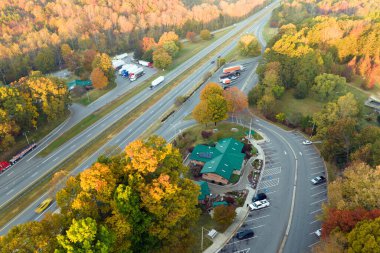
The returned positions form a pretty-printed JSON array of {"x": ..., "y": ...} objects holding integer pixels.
[
  {"x": 33, "y": 29},
  {"x": 323, "y": 47}
]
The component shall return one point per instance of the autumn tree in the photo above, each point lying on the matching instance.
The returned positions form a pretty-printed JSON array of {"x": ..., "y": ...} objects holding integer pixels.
[
  {"x": 161, "y": 58},
  {"x": 104, "y": 63},
  {"x": 365, "y": 237},
  {"x": 224, "y": 216},
  {"x": 70, "y": 58},
  {"x": 168, "y": 37},
  {"x": 249, "y": 46},
  {"x": 171, "y": 48},
  {"x": 217, "y": 108},
  {"x": 211, "y": 89},
  {"x": 266, "y": 104},
  {"x": 237, "y": 101},
  {"x": 190, "y": 36},
  {"x": 205, "y": 34},
  {"x": 148, "y": 43},
  {"x": 99, "y": 80},
  {"x": 200, "y": 113}
]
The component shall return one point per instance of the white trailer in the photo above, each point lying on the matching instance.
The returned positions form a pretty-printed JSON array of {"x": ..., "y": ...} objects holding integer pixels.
[
  {"x": 117, "y": 64},
  {"x": 120, "y": 56},
  {"x": 146, "y": 64},
  {"x": 128, "y": 68},
  {"x": 157, "y": 81}
]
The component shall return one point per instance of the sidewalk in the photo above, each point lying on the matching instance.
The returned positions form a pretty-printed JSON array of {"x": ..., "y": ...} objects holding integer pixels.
[{"x": 242, "y": 212}]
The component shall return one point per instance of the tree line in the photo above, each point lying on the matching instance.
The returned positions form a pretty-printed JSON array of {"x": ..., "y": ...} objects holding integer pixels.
[
  {"x": 33, "y": 29},
  {"x": 135, "y": 201}
]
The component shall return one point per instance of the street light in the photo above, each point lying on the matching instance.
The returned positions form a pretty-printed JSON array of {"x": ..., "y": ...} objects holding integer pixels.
[{"x": 26, "y": 136}]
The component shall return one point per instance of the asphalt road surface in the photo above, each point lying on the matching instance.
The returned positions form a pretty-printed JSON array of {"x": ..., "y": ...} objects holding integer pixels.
[{"x": 31, "y": 168}]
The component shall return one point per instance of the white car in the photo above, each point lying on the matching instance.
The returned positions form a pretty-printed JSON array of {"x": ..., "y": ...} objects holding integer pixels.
[
  {"x": 259, "y": 204},
  {"x": 318, "y": 232},
  {"x": 307, "y": 142}
]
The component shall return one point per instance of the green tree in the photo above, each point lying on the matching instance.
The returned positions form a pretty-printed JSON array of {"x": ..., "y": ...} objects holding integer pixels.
[
  {"x": 281, "y": 117},
  {"x": 266, "y": 104},
  {"x": 205, "y": 34},
  {"x": 171, "y": 48},
  {"x": 217, "y": 108},
  {"x": 327, "y": 86},
  {"x": 161, "y": 58},
  {"x": 365, "y": 237},
  {"x": 45, "y": 60},
  {"x": 85, "y": 235},
  {"x": 148, "y": 56},
  {"x": 249, "y": 46}
]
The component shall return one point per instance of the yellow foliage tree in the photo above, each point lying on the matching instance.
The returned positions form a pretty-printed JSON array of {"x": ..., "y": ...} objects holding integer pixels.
[{"x": 98, "y": 79}]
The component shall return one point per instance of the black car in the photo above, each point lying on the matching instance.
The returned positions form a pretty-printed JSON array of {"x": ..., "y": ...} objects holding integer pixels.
[
  {"x": 245, "y": 234},
  {"x": 318, "y": 180},
  {"x": 259, "y": 196}
]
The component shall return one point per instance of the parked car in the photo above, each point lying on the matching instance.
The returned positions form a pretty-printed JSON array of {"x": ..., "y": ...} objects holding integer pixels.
[
  {"x": 43, "y": 205},
  {"x": 318, "y": 232},
  {"x": 318, "y": 180},
  {"x": 307, "y": 142},
  {"x": 259, "y": 204},
  {"x": 245, "y": 234},
  {"x": 259, "y": 196}
]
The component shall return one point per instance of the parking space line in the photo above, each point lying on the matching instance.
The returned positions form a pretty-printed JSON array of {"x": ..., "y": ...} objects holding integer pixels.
[
  {"x": 314, "y": 157},
  {"x": 258, "y": 218},
  {"x": 316, "y": 162},
  {"x": 314, "y": 222},
  {"x": 272, "y": 171},
  {"x": 315, "y": 187},
  {"x": 319, "y": 172},
  {"x": 311, "y": 245},
  {"x": 270, "y": 192},
  {"x": 319, "y": 201},
  {"x": 316, "y": 211},
  {"x": 269, "y": 183},
  {"x": 318, "y": 167},
  {"x": 319, "y": 193},
  {"x": 241, "y": 240}
]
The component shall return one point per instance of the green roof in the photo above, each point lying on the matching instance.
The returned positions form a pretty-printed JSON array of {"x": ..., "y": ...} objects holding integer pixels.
[
  {"x": 74, "y": 83},
  {"x": 219, "y": 203},
  {"x": 205, "y": 191},
  {"x": 222, "y": 159}
]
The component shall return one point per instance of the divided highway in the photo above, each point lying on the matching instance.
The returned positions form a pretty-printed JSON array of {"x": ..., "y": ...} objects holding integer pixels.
[{"x": 30, "y": 170}]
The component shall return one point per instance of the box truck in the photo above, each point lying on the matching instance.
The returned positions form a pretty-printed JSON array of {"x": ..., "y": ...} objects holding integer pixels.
[
  {"x": 136, "y": 74},
  {"x": 117, "y": 64},
  {"x": 157, "y": 81}
]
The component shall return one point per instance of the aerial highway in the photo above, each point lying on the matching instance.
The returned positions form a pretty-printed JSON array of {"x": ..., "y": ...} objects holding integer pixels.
[{"x": 30, "y": 169}]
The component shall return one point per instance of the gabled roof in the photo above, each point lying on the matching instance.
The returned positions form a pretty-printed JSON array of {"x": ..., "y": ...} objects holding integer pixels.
[
  {"x": 205, "y": 190},
  {"x": 222, "y": 160}
]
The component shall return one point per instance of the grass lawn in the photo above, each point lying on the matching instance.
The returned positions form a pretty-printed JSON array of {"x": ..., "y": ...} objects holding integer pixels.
[
  {"x": 206, "y": 222},
  {"x": 234, "y": 55},
  {"x": 234, "y": 178},
  {"x": 269, "y": 32},
  {"x": 92, "y": 95}
]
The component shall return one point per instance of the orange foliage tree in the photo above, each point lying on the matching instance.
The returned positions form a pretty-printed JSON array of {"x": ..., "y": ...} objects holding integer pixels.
[{"x": 99, "y": 80}]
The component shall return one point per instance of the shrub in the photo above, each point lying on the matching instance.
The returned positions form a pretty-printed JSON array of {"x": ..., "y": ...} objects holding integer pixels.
[{"x": 206, "y": 134}]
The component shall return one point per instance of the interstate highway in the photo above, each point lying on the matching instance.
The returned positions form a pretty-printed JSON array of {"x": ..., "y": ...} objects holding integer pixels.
[{"x": 133, "y": 131}]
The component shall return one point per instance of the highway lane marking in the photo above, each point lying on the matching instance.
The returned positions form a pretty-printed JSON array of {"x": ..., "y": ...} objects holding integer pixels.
[
  {"x": 319, "y": 201},
  {"x": 300, "y": 153},
  {"x": 73, "y": 146},
  {"x": 258, "y": 218},
  {"x": 311, "y": 245},
  {"x": 115, "y": 116},
  {"x": 55, "y": 158},
  {"x": 318, "y": 193},
  {"x": 318, "y": 186},
  {"x": 316, "y": 211},
  {"x": 118, "y": 140},
  {"x": 10, "y": 173},
  {"x": 284, "y": 152},
  {"x": 314, "y": 222},
  {"x": 12, "y": 190},
  {"x": 89, "y": 134},
  {"x": 35, "y": 174}
]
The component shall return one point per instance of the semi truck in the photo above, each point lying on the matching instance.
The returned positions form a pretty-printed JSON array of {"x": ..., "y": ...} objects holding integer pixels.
[
  {"x": 136, "y": 74},
  {"x": 157, "y": 81},
  {"x": 146, "y": 64},
  {"x": 120, "y": 56},
  {"x": 226, "y": 81},
  {"x": 127, "y": 68},
  {"x": 233, "y": 68},
  {"x": 233, "y": 75},
  {"x": 117, "y": 64}
]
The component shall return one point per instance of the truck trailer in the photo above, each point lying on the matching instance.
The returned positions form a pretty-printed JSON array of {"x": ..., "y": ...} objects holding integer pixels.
[
  {"x": 233, "y": 68},
  {"x": 127, "y": 68},
  {"x": 136, "y": 74},
  {"x": 117, "y": 64},
  {"x": 120, "y": 56},
  {"x": 157, "y": 81},
  {"x": 146, "y": 64}
]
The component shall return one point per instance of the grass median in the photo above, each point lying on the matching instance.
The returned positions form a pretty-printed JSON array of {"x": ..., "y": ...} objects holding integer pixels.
[{"x": 24, "y": 199}]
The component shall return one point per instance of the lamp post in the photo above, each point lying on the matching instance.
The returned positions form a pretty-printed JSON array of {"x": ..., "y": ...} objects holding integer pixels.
[{"x": 26, "y": 136}]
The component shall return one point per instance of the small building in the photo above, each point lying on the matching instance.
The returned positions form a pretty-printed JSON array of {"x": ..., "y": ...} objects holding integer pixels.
[
  {"x": 219, "y": 203},
  {"x": 84, "y": 83},
  {"x": 204, "y": 193},
  {"x": 219, "y": 162}
]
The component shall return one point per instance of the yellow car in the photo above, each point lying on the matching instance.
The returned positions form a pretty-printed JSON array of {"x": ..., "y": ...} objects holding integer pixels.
[{"x": 43, "y": 205}]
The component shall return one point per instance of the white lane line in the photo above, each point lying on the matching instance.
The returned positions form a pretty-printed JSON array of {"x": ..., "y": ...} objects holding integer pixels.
[
  {"x": 89, "y": 135},
  {"x": 316, "y": 162},
  {"x": 300, "y": 153},
  {"x": 314, "y": 157},
  {"x": 311, "y": 245},
  {"x": 284, "y": 152},
  {"x": 319, "y": 201},
  {"x": 55, "y": 158},
  {"x": 115, "y": 116},
  {"x": 269, "y": 183},
  {"x": 118, "y": 140},
  {"x": 259, "y": 226},
  {"x": 10, "y": 192},
  {"x": 261, "y": 217},
  {"x": 73, "y": 146},
  {"x": 316, "y": 211},
  {"x": 318, "y": 193},
  {"x": 35, "y": 174},
  {"x": 318, "y": 167},
  {"x": 241, "y": 240},
  {"x": 129, "y": 130},
  {"x": 10, "y": 173},
  {"x": 270, "y": 192},
  {"x": 318, "y": 186}
]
